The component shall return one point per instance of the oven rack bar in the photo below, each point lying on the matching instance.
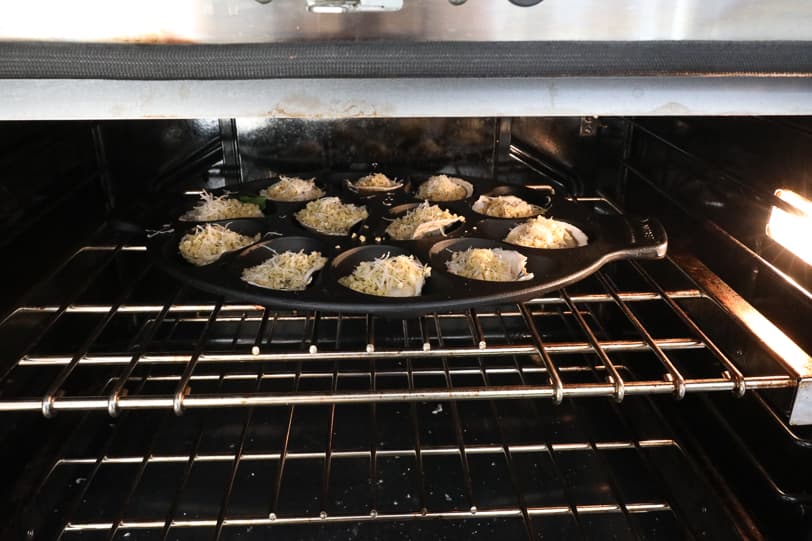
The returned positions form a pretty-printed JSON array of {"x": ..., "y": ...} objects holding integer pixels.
[
  {"x": 374, "y": 515},
  {"x": 562, "y": 348},
  {"x": 609, "y": 390},
  {"x": 425, "y": 451},
  {"x": 628, "y": 296}
]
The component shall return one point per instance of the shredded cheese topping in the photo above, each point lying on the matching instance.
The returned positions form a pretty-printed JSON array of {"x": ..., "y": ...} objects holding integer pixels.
[
  {"x": 293, "y": 189},
  {"x": 432, "y": 217},
  {"x": 444, "y": 188},
  {"x": 287, "y": 271},
  {"x": 399, "y": 276},
  {"x": 330, "y": 216},
  {"x": 376, "y": 180},
  {"x": 506, "y": 206},
  {"x": 208, "y": 242},
  {"x": 491, "y": 264},
  {"x": 211, "y": 208},
  {"x": 541, "y": 232}
]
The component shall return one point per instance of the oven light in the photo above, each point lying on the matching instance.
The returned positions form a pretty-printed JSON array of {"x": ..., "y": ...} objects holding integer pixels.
[
  {"x": 102, "y": 20},
  {"x": 352, "y": 6},
  {"x": 328, "y": 9},
  {"x": 793, "y": 231}
]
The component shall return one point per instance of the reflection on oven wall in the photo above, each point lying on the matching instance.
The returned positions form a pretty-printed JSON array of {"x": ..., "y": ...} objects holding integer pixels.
[
  {"x": 723, "y": 171},
  {"x": 141, "y": 151},
  {"x": 293, "y": 145},
  {"x": 48, "y": 170}
]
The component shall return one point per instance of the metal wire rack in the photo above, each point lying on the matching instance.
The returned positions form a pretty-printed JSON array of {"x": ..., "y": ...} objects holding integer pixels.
[
  {"x": 462, "y": 466},
  {"x": 131, "y": 354},
  {"x": 260, "y": 421}
]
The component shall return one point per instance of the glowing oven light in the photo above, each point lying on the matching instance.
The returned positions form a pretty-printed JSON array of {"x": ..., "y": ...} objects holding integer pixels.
[{"x": 793, "y": 231}]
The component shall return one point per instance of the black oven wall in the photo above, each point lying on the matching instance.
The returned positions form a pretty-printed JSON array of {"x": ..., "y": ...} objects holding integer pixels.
[
  {"x": 296, "y": 145},
  {"x": 557, "y": 150},
  {"x": 152, "y": 155},
  {"x": 51, "y": 194},
  {"x": 712, "y": 181},
  {"x": 62, "y": 180}
]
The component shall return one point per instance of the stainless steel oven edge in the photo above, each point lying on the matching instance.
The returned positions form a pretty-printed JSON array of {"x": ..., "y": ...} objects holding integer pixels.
[
  {"x": 256, "y": 21},
  {"x": 783, "y": 349},
  {"x": 41, "y": 99}
]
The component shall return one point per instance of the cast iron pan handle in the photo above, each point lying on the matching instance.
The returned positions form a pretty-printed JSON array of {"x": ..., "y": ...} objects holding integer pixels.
[
  {"x": 126, "y": 226},
  {"x": 648, "y": 238}
]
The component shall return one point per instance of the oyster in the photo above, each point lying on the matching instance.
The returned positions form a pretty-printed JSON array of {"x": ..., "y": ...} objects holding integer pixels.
[
  {"x": 205, "y": 244},
  {"x": 541, "y": 232},
  {"x": 211, "y": 208},
  {"x": 444, "y": 188},
  {"x": 422, "y": 221},
  {"x": 285, "y": 271},
  {"x": 506, "y": 206},
  {"x": 375, "y": 182},
  {"x": 399, "y": 276},
  {"x": 489, "y": 264},
  {"x": 330, "y": 216},
  {"x": 292, "y": 189}
]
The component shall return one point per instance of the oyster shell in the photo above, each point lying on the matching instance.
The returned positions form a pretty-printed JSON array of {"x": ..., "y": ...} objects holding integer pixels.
[
  {"x": 292, "y": 190},
  {"x": 427, "y": 229},
  {"x": 331, "y": 216},
  {"x": 432, "y": 189},
  {"x": 399, "y": 276},
  {"x": 287, "y": 266},
  {"x": 207, "y": 243},
  {"x": 422, "y": 221},
  {"x": 489, "y": 264},
  {"x": 374, "y": 182},
  {"x": 506, "y": 206},
  {"x": 546, "y": 233},
  {"x": 210, "y": 208}
]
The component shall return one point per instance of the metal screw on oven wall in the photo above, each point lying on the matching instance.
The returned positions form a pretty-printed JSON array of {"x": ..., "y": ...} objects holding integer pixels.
[
  {"x": 589, "y": 126},
  {"x": 456, "y": 2},
  {"x": 263, "y": 1}
]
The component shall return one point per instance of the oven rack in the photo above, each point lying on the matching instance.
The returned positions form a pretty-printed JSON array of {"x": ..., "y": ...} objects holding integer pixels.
[
  {"x": 372, "y": 470},
  {"x": 75, "y": 357}
]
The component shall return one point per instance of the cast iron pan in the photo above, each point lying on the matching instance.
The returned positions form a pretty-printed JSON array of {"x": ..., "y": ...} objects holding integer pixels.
[{"x": 611, "y": 237}]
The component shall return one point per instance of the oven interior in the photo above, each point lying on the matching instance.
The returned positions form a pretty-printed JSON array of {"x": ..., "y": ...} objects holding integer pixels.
[{"x": 136, "y": 407}]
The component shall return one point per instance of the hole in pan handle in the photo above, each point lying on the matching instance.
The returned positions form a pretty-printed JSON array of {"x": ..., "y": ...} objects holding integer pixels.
[
  {"x": 126, "y": 226},
  {"x": 648, "y": 238}
]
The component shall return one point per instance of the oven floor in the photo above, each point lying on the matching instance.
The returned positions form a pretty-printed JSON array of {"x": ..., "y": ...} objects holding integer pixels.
[{"x": 515, "y": 469}]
